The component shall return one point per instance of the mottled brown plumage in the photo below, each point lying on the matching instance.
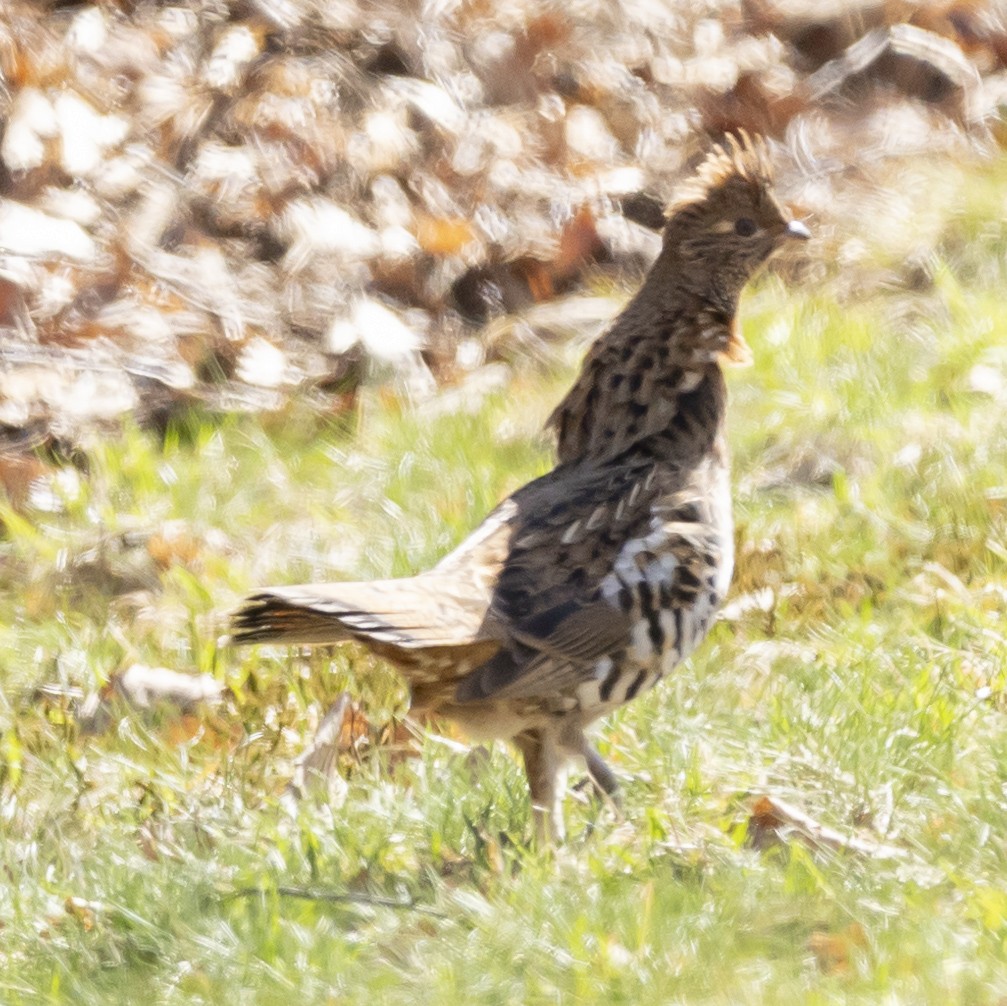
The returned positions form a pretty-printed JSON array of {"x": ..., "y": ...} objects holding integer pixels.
[{"x": 585, "y": 587}]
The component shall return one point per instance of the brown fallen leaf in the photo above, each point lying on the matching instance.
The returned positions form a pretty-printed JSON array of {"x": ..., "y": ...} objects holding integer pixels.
[
  {"x": 173, "y": 545},
  {"x": 18, "y": 474},
  {"x": 83, "y": 911},
  {"x": 833, "y": 950},
  {"x": 214, "y": 732},
  {"x": 357, "y": 731},
  {"x": 758, "y": 102},
  {"x": 443, "y": 236},
  {"x": 400, "y": 740},
  {"x": 579, "y": 244},
  {"x": 773, "y": 822}
]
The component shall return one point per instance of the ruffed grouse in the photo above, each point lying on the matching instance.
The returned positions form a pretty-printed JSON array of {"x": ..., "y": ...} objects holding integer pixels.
[{"x": 587, "y": 586}]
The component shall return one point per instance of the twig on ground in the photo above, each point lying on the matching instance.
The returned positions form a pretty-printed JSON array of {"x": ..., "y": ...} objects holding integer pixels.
[{"x": 334, "y": 898}]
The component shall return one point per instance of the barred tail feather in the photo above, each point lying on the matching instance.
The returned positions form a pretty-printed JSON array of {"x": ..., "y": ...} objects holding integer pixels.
[
  {"x": 267, "y": 617},
  {"x": 408, "y": 613}
]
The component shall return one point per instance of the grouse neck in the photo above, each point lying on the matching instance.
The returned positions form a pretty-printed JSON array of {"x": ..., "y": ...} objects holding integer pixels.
[{"x": 656, "y": 372}]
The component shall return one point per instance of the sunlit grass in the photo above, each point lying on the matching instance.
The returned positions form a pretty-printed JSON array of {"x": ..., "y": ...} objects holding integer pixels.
[{"x": 859, "y": 676}]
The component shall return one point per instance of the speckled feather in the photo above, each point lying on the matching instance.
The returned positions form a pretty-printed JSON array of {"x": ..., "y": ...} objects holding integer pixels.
[{"x": 585, "y": 587}]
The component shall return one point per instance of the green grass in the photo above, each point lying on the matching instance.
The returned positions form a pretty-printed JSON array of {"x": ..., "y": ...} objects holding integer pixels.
[{"x": 859, "y": 675}]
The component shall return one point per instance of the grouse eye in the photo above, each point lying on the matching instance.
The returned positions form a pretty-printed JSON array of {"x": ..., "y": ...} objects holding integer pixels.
[{"x": 745, "y": 227}]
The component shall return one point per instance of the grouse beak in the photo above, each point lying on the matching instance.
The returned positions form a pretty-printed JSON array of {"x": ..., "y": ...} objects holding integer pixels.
[{"x": 795, "y": 229}]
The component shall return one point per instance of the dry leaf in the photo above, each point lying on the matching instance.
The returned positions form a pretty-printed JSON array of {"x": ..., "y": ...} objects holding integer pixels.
[
  {"x": 83, "y": 911},
  {"x": 773, "y": 821},
  {"x": 173, "y": 545},
  {"x": 216, "y": 733},
  {"x": 579, "y": 243},
  {"x": 18, "y": 475},
  {"x": 443, "y": 235},
  {"x": 833, "y": 950}
]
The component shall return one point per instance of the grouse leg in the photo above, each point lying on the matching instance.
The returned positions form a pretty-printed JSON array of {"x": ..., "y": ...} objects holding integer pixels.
[
  {"x": 543, "y": 764},
  {"x": 605, "y": 782}
]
